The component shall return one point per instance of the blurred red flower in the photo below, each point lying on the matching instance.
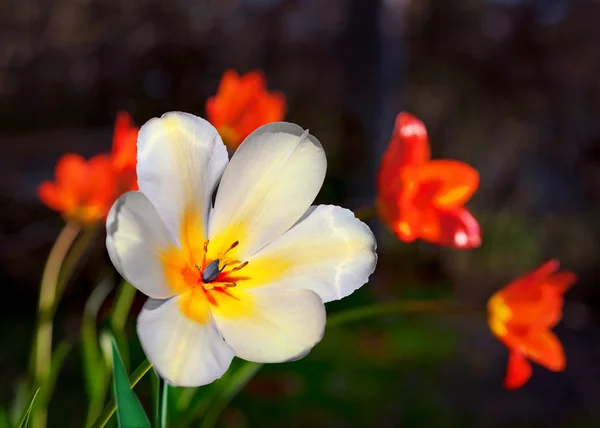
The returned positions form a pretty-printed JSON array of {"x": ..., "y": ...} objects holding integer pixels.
[
  {"x": 84, "y": 191},
  {"x": 124, "y": 152},
  {"x": 521, "y": 315},
  {"x": 422, "y": 198},
  {"x": 241, "y": 105}
]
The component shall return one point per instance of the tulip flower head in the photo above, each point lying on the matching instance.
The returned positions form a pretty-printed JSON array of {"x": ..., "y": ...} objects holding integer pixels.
[
  {"x": 521, "y": 316},
  {"x": 241, "y": 105},
  {"x": 246, "y": 277},
  {"x": 84, "y": 191},
  {"x": 420, "y": 198}
]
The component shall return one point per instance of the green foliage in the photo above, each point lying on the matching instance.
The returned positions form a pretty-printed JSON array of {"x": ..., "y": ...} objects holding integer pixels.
[
  {"x": 95, "y": 369},
  {"x": 130, "y": 413},
  {"x": 24, "y": 419},
  {"x": 358, "y": 373}
]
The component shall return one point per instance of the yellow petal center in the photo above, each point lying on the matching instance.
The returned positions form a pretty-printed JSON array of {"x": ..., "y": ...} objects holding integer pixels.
[{"x": 208, "y": 276}]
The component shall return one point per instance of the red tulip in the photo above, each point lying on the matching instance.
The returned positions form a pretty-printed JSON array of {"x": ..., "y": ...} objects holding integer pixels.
[
  {"x": 521, "y": 315},
  {"x": 419, "y": 198}
]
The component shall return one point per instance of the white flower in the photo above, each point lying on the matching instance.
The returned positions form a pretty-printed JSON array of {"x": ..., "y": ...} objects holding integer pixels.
[{"x": 247, "y": 277}]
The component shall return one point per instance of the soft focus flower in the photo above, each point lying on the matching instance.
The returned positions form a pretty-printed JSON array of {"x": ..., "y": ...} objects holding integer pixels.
[
  {"x": 422, "y": 198},
  {"x": 124, "y": 152},
  {"x": 83, "y": 191},
  {"x": 241, "y": 105},
  {"x": 247, "y": 277},
  {"x": 521, "y": 315}
]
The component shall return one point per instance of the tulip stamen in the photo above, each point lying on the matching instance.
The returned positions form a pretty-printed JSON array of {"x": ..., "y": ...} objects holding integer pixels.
[
  {"x": 235, "y": 244},
  {"x": 238, "y": 267},
  {"x": 204, "y": 252}
]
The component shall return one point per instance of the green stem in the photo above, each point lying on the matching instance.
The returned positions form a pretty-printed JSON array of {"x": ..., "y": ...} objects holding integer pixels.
[
  {"x": 43, "y": 336},
  {"x": 162, "y": 396},
  {"x": 110, "y": 408},
  {"x": 419, "y": 306},
  {"x": 71, "y": 260},
  {"x": 123, "y": 303},
  {"x": 94, "y": 366}
]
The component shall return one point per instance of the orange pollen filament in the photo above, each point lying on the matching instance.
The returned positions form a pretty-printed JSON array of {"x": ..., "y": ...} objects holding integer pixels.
[{"x": 211, "y": 275}]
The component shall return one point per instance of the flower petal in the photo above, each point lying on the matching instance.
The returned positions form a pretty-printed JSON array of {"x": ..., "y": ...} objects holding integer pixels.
[
  {"x": 409, "y": 144},
  {"x": 234, "y": 96},
  {"x": 180, "y": 160},
  {"x": 536, "y": 298},
  {"x": 124, "y": 146},
  {"x": 267, "y": 326},
  {"x": 454, "y": 182},
  {"x": 71, "y": 175},
  {"x": 329, "y": 251},
  {"x": 51, "y": 195},
  {"x": 135, "y": 237},
  {"x": 545, "y": 270},
  {"x": 269, "y": 184},
  {"x": 544, "y": 348},
  {"x": 561, "y": 281},
  {"x": 183, "y": 351},
  {"x": 453, "y": 227},
  {"x": 518, "y": 371}
]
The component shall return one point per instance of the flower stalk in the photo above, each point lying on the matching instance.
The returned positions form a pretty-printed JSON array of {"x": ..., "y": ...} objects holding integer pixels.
[{"x": 42, "y": 356}]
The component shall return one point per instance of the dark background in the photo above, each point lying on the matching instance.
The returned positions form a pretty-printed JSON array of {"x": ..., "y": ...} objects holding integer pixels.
[{"x": 512, "y": 87}]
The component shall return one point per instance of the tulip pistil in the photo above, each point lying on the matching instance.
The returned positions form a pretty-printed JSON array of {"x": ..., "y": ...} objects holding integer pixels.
[{"x": 212, "y": 270}]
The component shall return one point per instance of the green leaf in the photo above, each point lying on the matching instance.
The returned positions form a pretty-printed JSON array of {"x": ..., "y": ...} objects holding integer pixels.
[
  {"x": 25, "y": 416},
  {"x": 130, "y": 413}
]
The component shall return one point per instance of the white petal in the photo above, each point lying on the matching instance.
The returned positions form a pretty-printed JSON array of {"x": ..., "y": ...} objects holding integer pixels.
[
  {"x": 270, "y": 182},
  {"x": 135, "y": 236},
  {"x": 329, "y": 251},
  {"x": 183, "y": 351},
  {"x": 180, "y": 158},
  {"x": 272, "y": 326}
]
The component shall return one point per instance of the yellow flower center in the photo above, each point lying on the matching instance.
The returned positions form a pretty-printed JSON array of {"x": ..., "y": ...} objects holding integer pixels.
[
  {"x": 499, "y": 314},
  {"x": 208, "y": 276},
  {"x": 202, "y": 283}
]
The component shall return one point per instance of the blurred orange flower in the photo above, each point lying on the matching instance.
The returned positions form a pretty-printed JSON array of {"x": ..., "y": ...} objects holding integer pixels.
[
  {"x": 241, "y": 105},
  {"x": 84, "y": 191},
  {"x": 422, "y": 198},
  {"x": 124, "y": 152},
  {"x": 521, "y": 315}
]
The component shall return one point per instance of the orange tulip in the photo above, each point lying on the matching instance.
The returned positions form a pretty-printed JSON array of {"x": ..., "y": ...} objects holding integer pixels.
[
  {"x": 422, "y": 198},
  {"x": 83, "y": 191},
  {"x": 124, "y": 152},
  {"x": 241, "y": 105},
  {"x": 521, "y": 315}
]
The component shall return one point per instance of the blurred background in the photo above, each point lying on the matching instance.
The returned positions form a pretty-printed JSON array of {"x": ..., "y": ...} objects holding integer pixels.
[{"x": 509, "y": 86}]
